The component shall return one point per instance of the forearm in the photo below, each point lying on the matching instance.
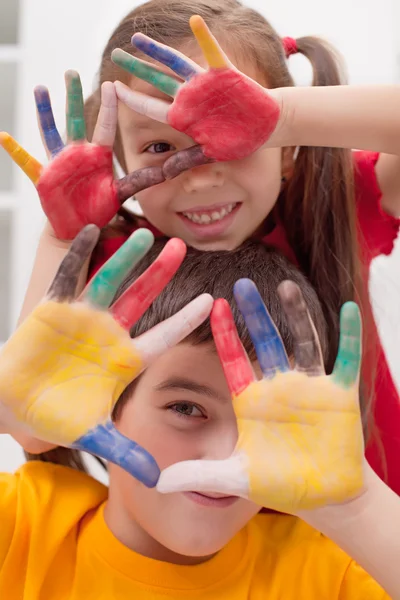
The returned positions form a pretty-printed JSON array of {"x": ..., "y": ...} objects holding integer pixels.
[
  {"x": 49, "y": 255},
  {"x": 359, "y": 117},
  {"x": 368, "y": 530}
]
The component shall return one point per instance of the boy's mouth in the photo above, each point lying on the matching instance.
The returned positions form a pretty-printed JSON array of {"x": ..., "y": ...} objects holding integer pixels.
[
  {"x": 216, "y": 500},
  {"x": 209, "y": 221}
]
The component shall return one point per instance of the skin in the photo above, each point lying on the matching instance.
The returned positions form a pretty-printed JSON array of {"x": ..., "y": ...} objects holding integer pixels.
[
  {"x": 171, "y": 527},
  {"x": 254, "y": 181}
]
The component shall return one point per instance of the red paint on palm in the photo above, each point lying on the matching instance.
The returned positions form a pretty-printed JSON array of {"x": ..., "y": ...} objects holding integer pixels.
[
  {"x": 78, "y": 188},
  {"x": 137, "y": 298},
  {"x": 227, "y": 113},
  {"x": 237, "y": 368}
]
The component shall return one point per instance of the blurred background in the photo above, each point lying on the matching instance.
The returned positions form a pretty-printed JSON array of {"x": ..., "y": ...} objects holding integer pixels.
[{"x": 40, "y": 39}]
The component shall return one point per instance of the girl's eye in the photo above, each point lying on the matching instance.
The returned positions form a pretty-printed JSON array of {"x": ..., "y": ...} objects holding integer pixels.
[
  {"x": 159, "y": 148},
  {"x": 186, "y": 409}
]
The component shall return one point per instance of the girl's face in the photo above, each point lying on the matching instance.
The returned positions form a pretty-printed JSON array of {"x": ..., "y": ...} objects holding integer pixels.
[
  {"x": 181, "y": 409},
  {"x": 212, "y": 207}
]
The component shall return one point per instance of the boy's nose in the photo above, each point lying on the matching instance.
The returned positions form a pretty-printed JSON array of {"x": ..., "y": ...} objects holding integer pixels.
[
  {"x": 221, "y": 444},
  {"x": 204, "y": 178}
]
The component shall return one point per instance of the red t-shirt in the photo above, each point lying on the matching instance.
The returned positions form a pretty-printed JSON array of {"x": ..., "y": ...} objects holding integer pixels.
[{"x": 378, "y": 232}]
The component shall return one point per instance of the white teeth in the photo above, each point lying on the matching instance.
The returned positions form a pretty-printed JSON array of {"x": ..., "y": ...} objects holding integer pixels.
[{"x": 205, "y": 219}]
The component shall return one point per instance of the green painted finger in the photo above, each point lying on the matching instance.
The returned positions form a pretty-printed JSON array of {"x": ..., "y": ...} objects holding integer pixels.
[
  {"x": 76, "y": 129},
  {"x": 103, "y": 287},
  {"x": 145, "y": 71},
  {"x": 348, "y": 361}
]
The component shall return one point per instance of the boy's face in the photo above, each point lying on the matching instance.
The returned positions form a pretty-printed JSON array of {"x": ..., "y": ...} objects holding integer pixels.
[{"x": 181, "y": 409}]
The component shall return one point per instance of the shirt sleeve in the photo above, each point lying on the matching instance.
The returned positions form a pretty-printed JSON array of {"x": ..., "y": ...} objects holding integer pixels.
[
  {"x": 358, "y": 585},
  {"x": 378, "y": 230},
  {"x": 8, "y": 511}
]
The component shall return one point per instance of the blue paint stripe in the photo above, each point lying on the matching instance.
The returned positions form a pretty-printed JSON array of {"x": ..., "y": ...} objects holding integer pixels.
[
  {"x": 267, "y": 342},
  {"x": 164, "y": 55},
  {"x": 52, "y": 138},
  {"x": 107, "y": 442}
]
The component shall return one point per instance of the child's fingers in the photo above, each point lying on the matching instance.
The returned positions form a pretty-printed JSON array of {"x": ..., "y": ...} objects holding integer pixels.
[
  {"x": 107, "y": 442},
  {"x": 50, "y": 136},
  {"x": 76, "y": 129},
  {"x": 176, "y": 61},
  {"x": 64, "y": 284},
  {"x": 140, "y": 68},
  {"x": 206, "y": 476},
  {"x": 145, "y": 105},
  {"x": 138, "y": 180},
  {"x": 106, "y": 125},
  {"x": 215, "y": 57},
  {"x": 348, "y": 362},
  {"x": 184, "y": 160},
  {"x": 235, "y": 362},
  {"x": 29, "y": 165},
  {"x": 306, "y": 346},
  {"x": 170, "y": 332},
  {"x": 267, "y": 342},
  {"x": 102, "y": 288},
  {"x": 137, "y": 298}
]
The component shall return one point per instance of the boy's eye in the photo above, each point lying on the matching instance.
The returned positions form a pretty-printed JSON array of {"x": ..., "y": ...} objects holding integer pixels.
[
  {"x": 186, "y": 409},
  {"x": 159, "y": 148}
]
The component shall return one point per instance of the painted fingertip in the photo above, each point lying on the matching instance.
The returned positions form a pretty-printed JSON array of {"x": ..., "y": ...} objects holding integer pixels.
[
  {"x": 143, "y": 237},
  {"x": 196, "y": 22},
  {"x": 140, "y": 39},
  {"x": 243, "y": 286},
  {"x": 120, "y": 57},
  {"x": 4, "y": 137},
  {"x": 178, "y": 246},
  {"x": 71, "y": 74}
]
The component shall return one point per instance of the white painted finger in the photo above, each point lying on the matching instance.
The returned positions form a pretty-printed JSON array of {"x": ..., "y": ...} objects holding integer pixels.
[
  {"x": 170, "y": 332},
  {"x": 227, "y": 476},
  {"x": 106, "y": 126},
  {"x": 141, "y": 103}
]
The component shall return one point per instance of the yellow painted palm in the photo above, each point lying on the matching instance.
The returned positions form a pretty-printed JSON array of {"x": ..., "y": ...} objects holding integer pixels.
[
  {"x": 65, "y": 367},
  {"x": 300, "y": 443}
]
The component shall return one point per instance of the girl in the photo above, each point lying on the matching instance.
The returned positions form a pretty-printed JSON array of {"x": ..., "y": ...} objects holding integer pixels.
[
  {"x": 63, "y": 536},
  {"x": 330, "y": 211}
]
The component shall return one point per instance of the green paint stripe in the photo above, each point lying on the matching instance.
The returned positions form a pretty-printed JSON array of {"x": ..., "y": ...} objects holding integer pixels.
[
  {"x": 105, "y": 283},
  {"x": 163, "y": 82},
  {"x": 348, "y": 360},
  {"x": 76, "y": 128}
]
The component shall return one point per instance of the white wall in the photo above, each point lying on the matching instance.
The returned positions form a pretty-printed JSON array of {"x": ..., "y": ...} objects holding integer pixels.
[{"x": 56, "y": 36}]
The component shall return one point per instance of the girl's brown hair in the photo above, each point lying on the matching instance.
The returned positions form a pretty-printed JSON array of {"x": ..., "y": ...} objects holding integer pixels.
[{"x": 215, "y": 273}]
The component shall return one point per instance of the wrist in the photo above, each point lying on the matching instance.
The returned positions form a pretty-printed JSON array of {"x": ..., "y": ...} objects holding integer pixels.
[
  {"x": 336, "y": 520},
  {"x": 283, "y": 133},
  {"x": 49, "y": 234}
]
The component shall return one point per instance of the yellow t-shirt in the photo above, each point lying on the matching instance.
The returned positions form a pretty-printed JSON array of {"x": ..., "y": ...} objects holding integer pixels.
[{"x": 55, "y": 545}]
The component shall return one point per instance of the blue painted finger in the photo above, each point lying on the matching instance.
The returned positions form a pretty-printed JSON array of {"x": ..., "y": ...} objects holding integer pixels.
[
  {"x": 52, "y": 138},
  {"x": 107, "y": 442},
  {"x": 167, "y": 56},
  {"x": 267, "y": 342}
]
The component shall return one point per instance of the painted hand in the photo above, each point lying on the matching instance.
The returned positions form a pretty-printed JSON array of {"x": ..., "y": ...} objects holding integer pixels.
[
  {"x": 78, "y": 187},
  {"x": 300, "y": 443},
  {"x": 228, "y": 114},
  {"x": 65, "y": 367}
]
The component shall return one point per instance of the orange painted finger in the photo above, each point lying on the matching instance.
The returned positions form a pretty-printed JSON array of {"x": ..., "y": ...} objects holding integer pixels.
[
  {"x": 212, "y": 51},
  {"x": 30, "y": 166}
]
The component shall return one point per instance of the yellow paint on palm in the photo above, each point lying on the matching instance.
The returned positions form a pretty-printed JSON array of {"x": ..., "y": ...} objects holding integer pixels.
[
  {"x": 212, "y": 52},
  {"x": 303, "y": 442},
  {"x": 30, "y": 166},
  {"x": 98, "y": 362}
]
